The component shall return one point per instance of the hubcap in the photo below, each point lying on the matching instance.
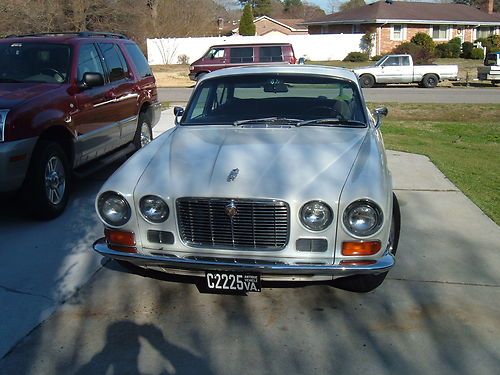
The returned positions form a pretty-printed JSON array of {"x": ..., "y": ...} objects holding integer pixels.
[
  {"x": 145, "y": 134},
  {"x": 55, "y": 180}
]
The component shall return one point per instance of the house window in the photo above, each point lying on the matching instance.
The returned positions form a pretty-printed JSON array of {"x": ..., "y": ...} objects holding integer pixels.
[
  {"x": 440, "y": 32},
  {"x": 356, "y": 29},
  {"x": 397, "y": 32},
  {"x": 484, "y": 32}
]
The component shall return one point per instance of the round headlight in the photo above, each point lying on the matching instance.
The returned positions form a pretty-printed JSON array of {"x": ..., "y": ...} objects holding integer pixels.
[
  {"x": 113, "y": 208},
  {"x": 363, "y": 218},
  {"x": 316, "y": 215},
  {"x": 154, "y": 208}
]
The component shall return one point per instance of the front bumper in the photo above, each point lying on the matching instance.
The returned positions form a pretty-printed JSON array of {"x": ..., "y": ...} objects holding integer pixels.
[
  {"x": 15, "y": 157},
  {"x": 164, "y": 263}
]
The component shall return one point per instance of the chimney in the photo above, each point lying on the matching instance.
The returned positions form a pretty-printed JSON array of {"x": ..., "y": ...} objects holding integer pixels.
[{"x": 487, "y": 6}]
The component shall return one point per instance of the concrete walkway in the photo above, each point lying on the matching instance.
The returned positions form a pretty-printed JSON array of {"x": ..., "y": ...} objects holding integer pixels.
[{"x": 436, "y": 313}]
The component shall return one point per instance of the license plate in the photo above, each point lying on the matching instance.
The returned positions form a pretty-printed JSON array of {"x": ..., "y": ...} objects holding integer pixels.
[{"x": 232, "y": 281}]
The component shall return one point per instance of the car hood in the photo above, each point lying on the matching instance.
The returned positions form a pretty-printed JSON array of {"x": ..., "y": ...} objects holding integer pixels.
[
  {"x": 13, "y": 94},
  {"x": 286, "y": 163}
]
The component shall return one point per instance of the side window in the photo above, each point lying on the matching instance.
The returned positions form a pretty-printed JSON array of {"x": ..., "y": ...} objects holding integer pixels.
[
  {"x": 140, "y": 62},
  {"x": 405, "y": 60},
  {"x": 221, "y": 94},
  {"x": 201, "y": 102},
  {"x": 215, "y": 53},
  {"x": 241, "y": 55},
  {"x": 113, "y": 57},
  {"x": 392, "y": 61},
  {"x": 270, "y": 54},
  {"x": 88, "y": 61}
]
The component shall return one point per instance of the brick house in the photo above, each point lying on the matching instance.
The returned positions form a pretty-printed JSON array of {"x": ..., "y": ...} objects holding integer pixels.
[
  {"x": 268, "y": 26},
  {"x": 394, "y": 22}
]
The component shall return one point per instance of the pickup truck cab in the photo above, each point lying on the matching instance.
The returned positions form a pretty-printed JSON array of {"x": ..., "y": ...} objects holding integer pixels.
[
  {"x": 491, "y": 69},
  {"x": 67, "y": 100},
  {"x": 400, "y": 69}
]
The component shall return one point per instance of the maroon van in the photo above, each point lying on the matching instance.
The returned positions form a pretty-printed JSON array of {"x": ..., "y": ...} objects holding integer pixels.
[
  {"x": 67, "y": 100},
  {"x": 229, "y": 55}
]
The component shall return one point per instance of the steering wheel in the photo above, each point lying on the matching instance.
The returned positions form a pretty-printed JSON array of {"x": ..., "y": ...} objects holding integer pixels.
[
  {"x": 53, "y": 72},
  {"x": 323, "y": 110}
]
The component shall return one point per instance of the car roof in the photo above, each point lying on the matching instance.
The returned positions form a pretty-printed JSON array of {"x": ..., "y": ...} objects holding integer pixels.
[
  {"x": 249, "y": 45},
  {"x": 286, "y": 69},
  {"x": 63, "y": 37}
]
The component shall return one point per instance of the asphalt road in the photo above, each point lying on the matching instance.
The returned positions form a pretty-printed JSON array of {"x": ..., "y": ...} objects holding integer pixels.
[
  {"x": 396, "y": 94},
  {"x": 66, "y": 310}
]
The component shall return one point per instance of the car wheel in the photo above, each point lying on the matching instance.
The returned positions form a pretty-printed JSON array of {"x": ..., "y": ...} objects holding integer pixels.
[
  {"x": 430, "y": 81},
  {"x": 366, "y": 81},
  {"x": 46, "y": 188},
  {"x": 367, "y": 283},
  {"x": 144, "y": 133}
]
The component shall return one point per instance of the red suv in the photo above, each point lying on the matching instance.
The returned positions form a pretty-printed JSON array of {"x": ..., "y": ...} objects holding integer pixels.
[
  {"x": 67, "y": 100},
  {"x": 225, "y": 56}
]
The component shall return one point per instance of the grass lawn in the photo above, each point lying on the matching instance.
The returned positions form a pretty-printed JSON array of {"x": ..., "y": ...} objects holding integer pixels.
[{"x": 463, "y": 141}]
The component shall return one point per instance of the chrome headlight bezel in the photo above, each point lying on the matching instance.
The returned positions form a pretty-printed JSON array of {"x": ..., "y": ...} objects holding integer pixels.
[
  {"x": 3, "y": 119},
  {"x": 160, "y": 204},
  {"x": 324, "y": 224},
  {"x": 105, "y": 198},
  {"x": 370, "y": 208}
]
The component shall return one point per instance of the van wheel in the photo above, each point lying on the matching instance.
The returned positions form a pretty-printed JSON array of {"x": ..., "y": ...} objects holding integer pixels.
[
  {"x": 46, "y": 189},
  {"x": 366, "y": 81},
  {"x": 367, "y": 283},
  {"x": 144, "y": 133},
  {"x": 430, "y": 81}
]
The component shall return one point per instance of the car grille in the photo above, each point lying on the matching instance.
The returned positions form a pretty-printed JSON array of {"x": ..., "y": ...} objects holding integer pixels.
[{"x": 257, "y": 225}]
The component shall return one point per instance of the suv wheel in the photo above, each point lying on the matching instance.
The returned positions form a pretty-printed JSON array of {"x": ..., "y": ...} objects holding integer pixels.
[
  {"x": 144, "y": 134},
  {"x": 47, "y": 183}
]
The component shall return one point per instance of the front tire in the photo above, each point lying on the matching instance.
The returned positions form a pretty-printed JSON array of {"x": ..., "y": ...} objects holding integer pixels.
[
  {"x": 144, "y": 133},
  {"x": 367, "y": 283},
  {"x": 366, "y": 81},
  {"x": 46, "y": 189}
]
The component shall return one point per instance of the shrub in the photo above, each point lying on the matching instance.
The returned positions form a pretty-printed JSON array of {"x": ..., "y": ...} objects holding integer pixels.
[
  {"x": 477, "y": 54},
  {"x": 183, "y": 59},
  {"x": 376, "y": 57},
  {"x": 443, "y": 50},
  {"x": 467, "y": 49},
  {"x": 424, "y": 40},
  {"x": 418, "y": 53},
  {"x": 356, "y": 57}
]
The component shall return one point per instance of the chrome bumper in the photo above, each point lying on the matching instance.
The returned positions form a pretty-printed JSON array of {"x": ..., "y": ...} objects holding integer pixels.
[{"x": 383, "y": 264}]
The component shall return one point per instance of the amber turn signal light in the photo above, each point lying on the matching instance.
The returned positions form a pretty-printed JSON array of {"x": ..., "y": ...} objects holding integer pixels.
[
  {"x": 357, "y": 262},
  {"x": 360, "y": 248},
  {"x": 120, "y": 240}
]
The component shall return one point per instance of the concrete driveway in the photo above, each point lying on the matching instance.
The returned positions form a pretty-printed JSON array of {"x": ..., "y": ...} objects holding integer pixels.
[{"x": 438, "y": 311}]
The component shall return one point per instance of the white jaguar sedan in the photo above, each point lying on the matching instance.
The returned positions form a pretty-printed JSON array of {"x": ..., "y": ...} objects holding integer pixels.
[{"x": 271, "y": 173}]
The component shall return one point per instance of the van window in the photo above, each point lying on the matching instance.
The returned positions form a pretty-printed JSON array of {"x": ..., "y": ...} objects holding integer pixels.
[
  {"x": 270, "y": 54},
  {"x": 241, "y": 55},
  {"x": 215, "y": 53}
]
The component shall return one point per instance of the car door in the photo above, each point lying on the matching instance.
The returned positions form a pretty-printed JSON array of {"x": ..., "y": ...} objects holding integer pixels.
[
  {"x": 93, "y": 122},
  {"x": 123, "y": 98},
  {"x": 391, "y": 70}
]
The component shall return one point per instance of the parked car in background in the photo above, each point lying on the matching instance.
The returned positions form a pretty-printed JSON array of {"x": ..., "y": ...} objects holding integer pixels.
[
  {"x": 231, "y": 55},
  {"x": 273, "y": 173},
  {"x": 400, "y": 69},
  {"x": 491, "y": 69},
  {"x": 67, "y": 100}
]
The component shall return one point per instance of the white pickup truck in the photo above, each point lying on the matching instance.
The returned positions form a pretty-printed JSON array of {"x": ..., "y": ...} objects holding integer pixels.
[
  {"x": 400, "y": 69},
  {"x": 491, "y": 69}
]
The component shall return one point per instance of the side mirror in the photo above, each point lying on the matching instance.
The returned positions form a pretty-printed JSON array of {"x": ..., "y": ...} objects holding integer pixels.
[
  {"x": 91, "y": 80},
  {"x": 378, "y": 113},
  {"x": 178, "y": 112}
]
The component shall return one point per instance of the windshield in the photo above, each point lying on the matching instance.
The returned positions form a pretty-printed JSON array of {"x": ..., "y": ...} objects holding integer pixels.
[
  {"x": 284, "y": 98},
  {"x": 34, "y": 62}
]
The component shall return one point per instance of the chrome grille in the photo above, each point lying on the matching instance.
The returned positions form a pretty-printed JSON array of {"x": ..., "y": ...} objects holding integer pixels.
[{"x": 258, "y": 224}]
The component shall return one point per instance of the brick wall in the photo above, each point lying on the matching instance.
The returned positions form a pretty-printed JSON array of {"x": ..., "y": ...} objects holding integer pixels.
[{"x": 265, "y": 26}]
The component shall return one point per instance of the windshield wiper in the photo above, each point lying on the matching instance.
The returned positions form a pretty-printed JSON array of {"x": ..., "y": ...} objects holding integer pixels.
[
  {"x": 332, "y": 121},
  {"x": 272, "y": 120}
]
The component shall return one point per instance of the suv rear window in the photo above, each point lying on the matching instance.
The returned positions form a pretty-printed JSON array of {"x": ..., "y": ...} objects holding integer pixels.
[
  {"x": 113, "y": 57},
  {"x": 34, "y": 62},
  {"x": 241, "y": 55},
  {"x": 139, "y": 60},
  {"x": 270, "y": 54}
]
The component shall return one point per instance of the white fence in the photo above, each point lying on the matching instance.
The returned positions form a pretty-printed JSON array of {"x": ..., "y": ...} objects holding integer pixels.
[{"x": 321, "y": 47}]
